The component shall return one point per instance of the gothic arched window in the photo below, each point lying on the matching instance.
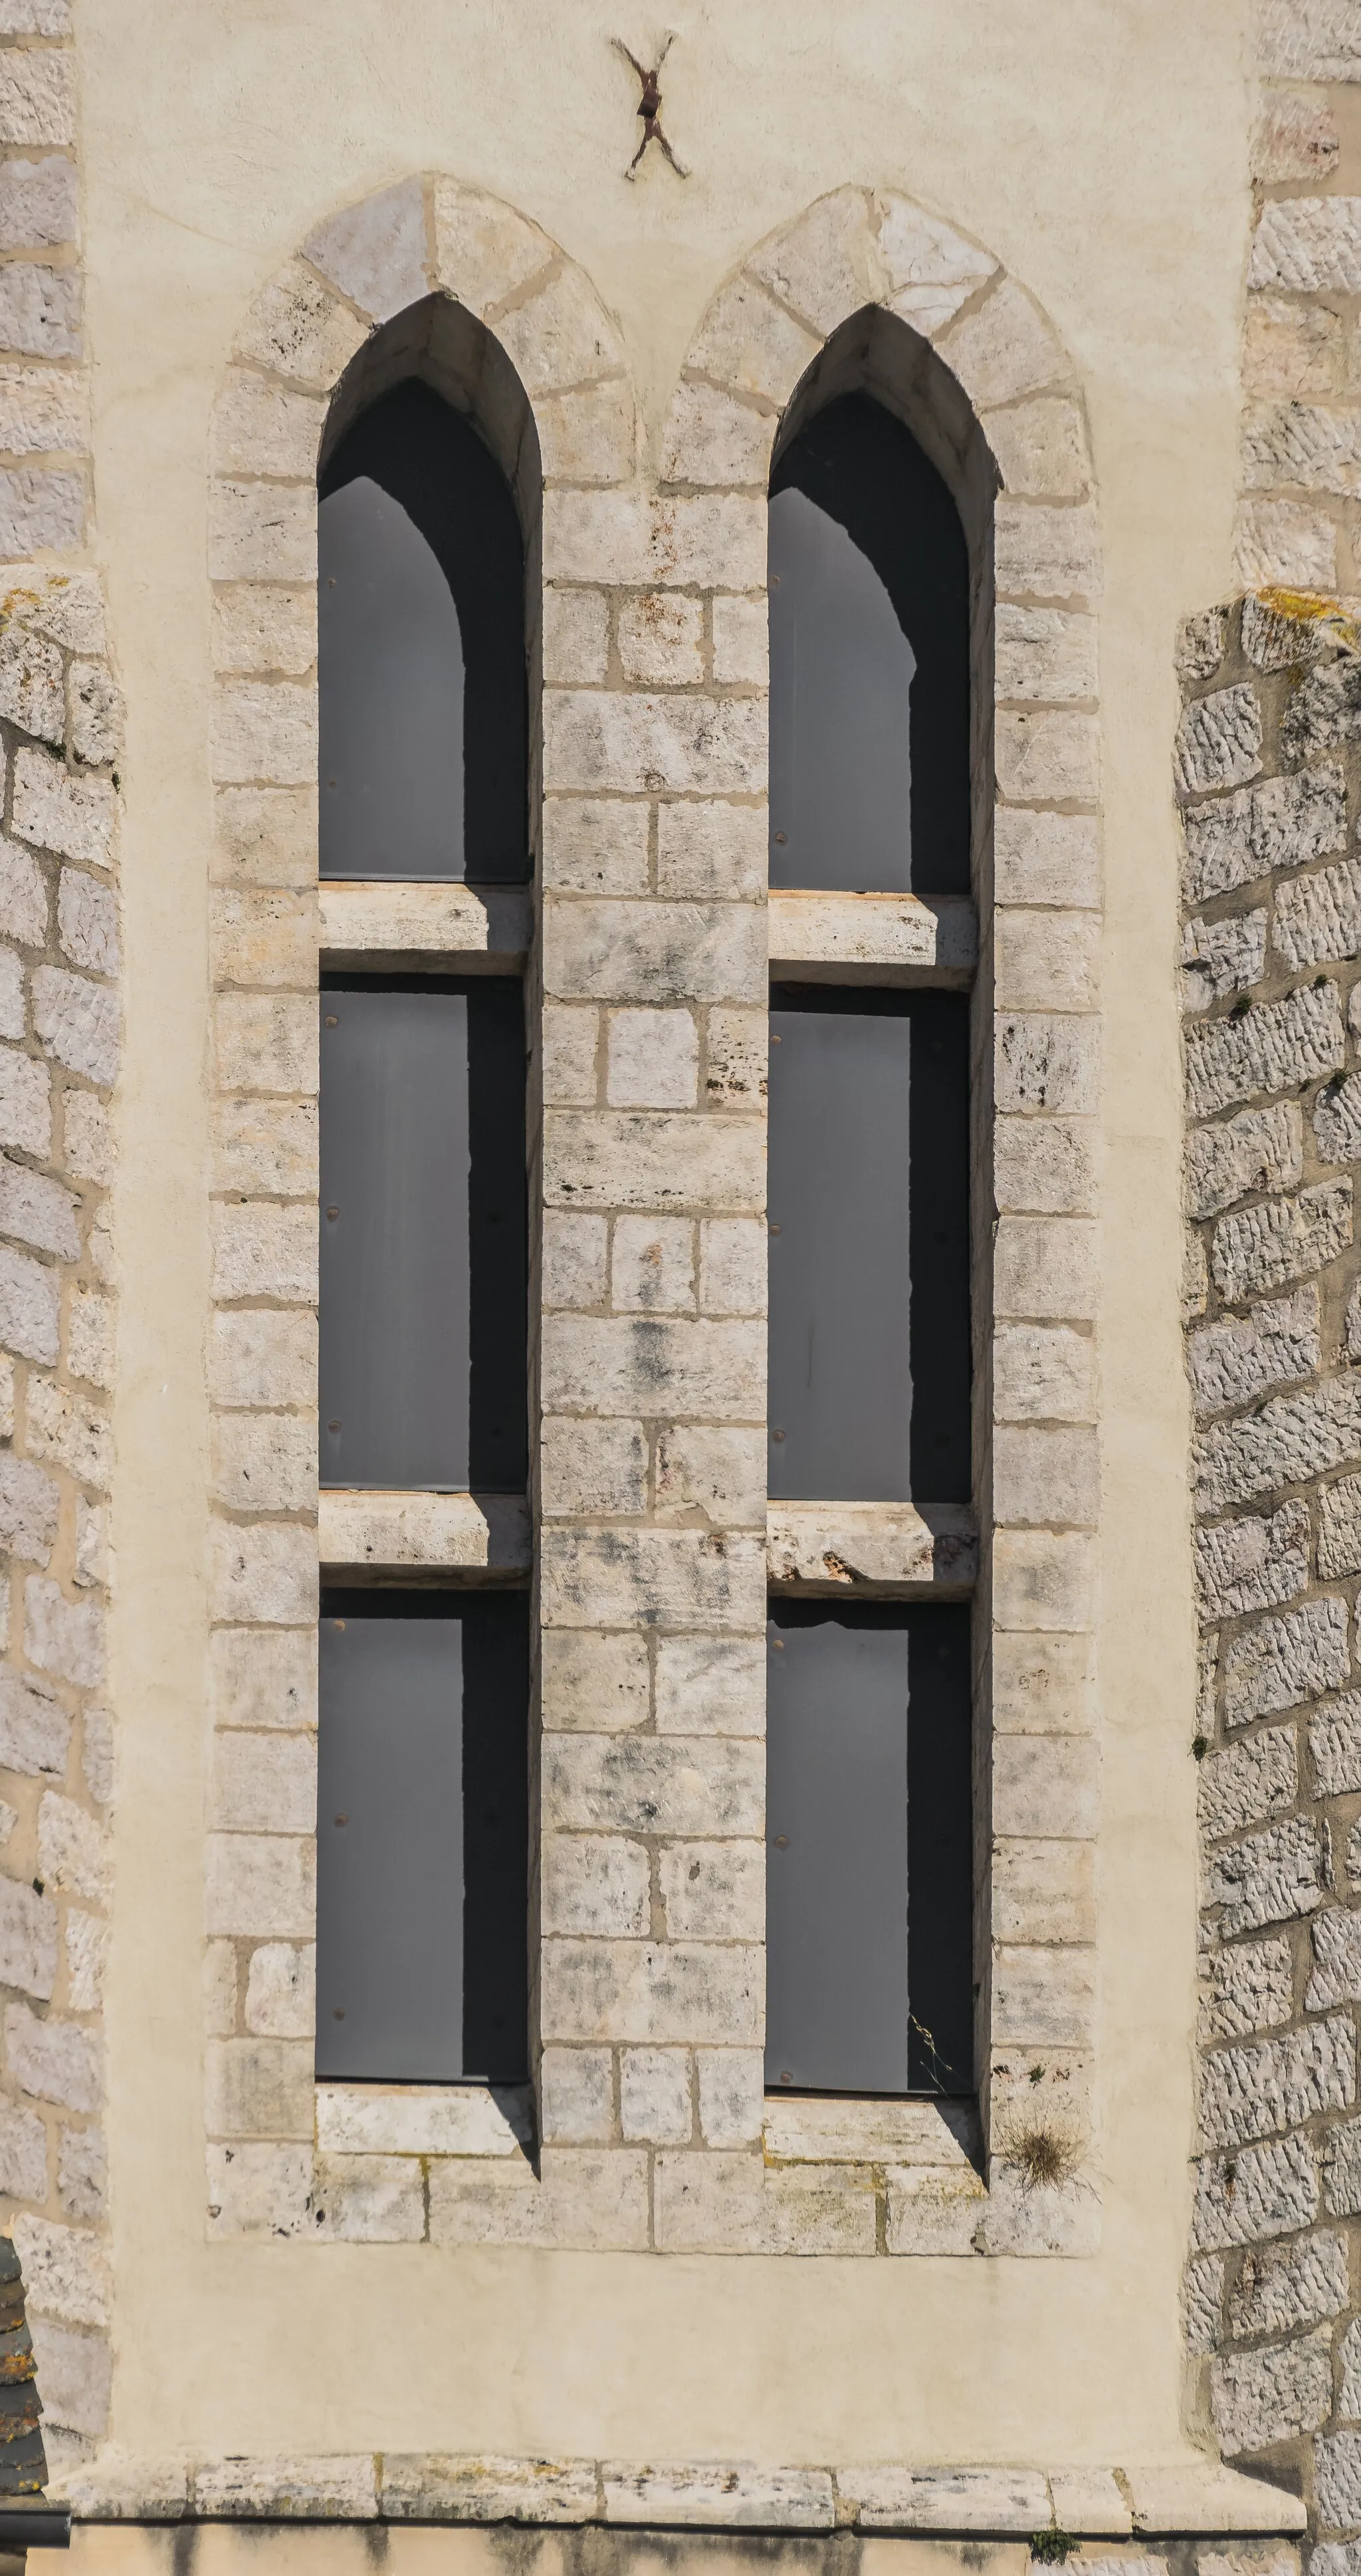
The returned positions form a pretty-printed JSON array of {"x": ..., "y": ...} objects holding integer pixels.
[
  {"x": 423, "y": 1799},
  {"x": 868, "y": 1809}
]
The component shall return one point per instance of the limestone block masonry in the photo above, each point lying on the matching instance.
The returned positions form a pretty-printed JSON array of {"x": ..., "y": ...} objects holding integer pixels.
[{"x": 59, "y": 1047}]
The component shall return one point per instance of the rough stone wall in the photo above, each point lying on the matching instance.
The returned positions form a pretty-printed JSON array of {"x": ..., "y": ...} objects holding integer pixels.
[{"x": 59, "y": 1031}]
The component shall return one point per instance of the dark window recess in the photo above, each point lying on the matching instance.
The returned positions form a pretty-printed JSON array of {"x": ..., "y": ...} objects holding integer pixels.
[
  {"x": 868, "y": 1860},
  {"x": 869, "y": 662},
  {"x": 422, "y": 1837},
  {"x": 420, "y": 651},
  {"x": 423, "y": 1233},
  {"x": 869, "y": 1245}
]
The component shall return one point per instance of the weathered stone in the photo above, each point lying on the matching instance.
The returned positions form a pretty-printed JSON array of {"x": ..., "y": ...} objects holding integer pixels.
[
  {"x": 1335, "y": 1746},
  {"x": 62, "y": 1637},
  {"x": 1201, "y": 644},
  {"x": 632, "y": 1159},
  {"x": 53, "y": 2060},
  {"x": 1250, "y": 1988},
  {"x": 1249, "y": 2092},
  {"x": 1045, "y": 553},
  {"x": 1285, "y": 544},
  {"x": 77, "y": 1021},
  {"x": 1049, "y": 757},
  {"x": 1221, "y": 957},
  {"x": 652, "y": 1060},
  {"x": 576, "y": 2096},
  {"x": 1252, "y": 1564},
  {"x": 1279, "y": 1046},
  {"x": 1279, "y": 1239},
  {"x": 264, "y": 1251},
  {"x": 1219, "y": 741},
  {"x": 1262, "y": 2397},
  {"x": 262, "y": 1679},
  {"x": 1259, "y": 2193},
  {"x": 1300, "y": 443},
  {"x": 1043, "y": 1373},
  {"x": 1337, "y": 2481},
  {"x": 1044, "y": 1267},
  {"x": 1336, "y": 1974},
  {"x": 73, "y": 1849},
  {"x": 1293, "y": 1439},
  {"x": 1003, "y": 348},
  {"x": 1282, "y": 1661},
  {"x": 1271, "y": 1877},
  {"x": 258, "y": 2088},
  {"x": 713, "y": 1889},
  {"x": 266, "y": 1573},
  {"x": 1337, "y": 1120},
  {"x": 1339, "y": 1545},
  {"x": 281, "y": 1992},
  {"x": 1047, "y": 1062},
  {"x": 1284, "y": 823},
  {"x": 375, "y": 252},
  {"x": 1232, "y": 1362},
  {"x": 1202, "y": 2301},
  {"x": 1041, "y": 449},
  {"x": 1275, "y": 640},
  {"x": 1248, "y": 1781},
  {"x": 1308, "y": 245},
  {"x": 636, "y": 1784},
  {"x": 368, "y": 2200}
]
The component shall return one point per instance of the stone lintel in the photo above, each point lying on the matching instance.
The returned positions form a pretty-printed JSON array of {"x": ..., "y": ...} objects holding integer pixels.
[
  {"x": 424, "y": 929},
  {"x": 872, "y": 938},
  {"x": 363, "y": 1531},
  {"x": 890, "y": 1548}
]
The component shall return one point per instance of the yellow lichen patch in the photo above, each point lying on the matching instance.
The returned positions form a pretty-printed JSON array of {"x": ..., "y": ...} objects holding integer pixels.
[{"x": 1313, "y": 607}]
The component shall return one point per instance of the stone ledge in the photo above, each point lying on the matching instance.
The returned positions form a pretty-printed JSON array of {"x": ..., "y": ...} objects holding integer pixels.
[
  {"x": 1192, "y": 2497},
  {"x": 814, "y": 2129},
  {"x": 423, "y": 2119},
  {"x": 835, "y": 1548},
  {"x": 872, "y": 938},
  {"x": 424, "y": 929},
  {"x": 364, "y": 1531}
]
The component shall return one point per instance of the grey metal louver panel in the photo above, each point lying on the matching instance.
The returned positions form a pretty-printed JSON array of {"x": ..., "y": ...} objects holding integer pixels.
[
  {"x": 869, "y": 1840},
  {"x": 423, "y": 1261},
  {"x": 869, "y": 1250},
  {"x": 422, "y": 1837},
  {"x": 869, "y": 662}
]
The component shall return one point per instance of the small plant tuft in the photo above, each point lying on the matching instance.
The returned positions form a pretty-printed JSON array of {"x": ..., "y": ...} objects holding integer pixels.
[
  {"x": 1042, "y": 2156},
  {"x": 1052, "y": 2548}
]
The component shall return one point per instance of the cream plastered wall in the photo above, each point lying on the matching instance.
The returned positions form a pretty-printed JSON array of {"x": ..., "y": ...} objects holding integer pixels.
[{"x": 1100, "y": 151}]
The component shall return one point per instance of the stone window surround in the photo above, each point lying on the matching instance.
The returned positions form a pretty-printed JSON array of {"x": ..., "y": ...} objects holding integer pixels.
[{"x": 764, "y": 334}]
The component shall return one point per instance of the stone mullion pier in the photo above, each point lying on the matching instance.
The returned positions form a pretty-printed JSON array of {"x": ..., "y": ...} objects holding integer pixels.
[{"x": 652, "y": 1546}]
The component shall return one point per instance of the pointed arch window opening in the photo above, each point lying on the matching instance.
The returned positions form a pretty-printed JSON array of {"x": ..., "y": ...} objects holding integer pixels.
[
  {"x": 423, "y": 1824},
  {"x": 869, "y": 1819}
]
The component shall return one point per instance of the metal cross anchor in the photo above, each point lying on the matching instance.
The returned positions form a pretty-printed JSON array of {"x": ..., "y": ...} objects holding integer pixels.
[{"x": 650, "y": 106}]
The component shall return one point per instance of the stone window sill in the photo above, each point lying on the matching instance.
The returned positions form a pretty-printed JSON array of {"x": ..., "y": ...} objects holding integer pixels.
[
  {"x": 900, "y": 1549},
  {"x": 889, "y": 1548},
  {"x": 816, "y": 2129},
  {"x": 424, "y": 929},
  {"x": 363, "y": 1531},
  {"x": 872, "y": 938},
  {"x": 423, "y": 2119}
]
